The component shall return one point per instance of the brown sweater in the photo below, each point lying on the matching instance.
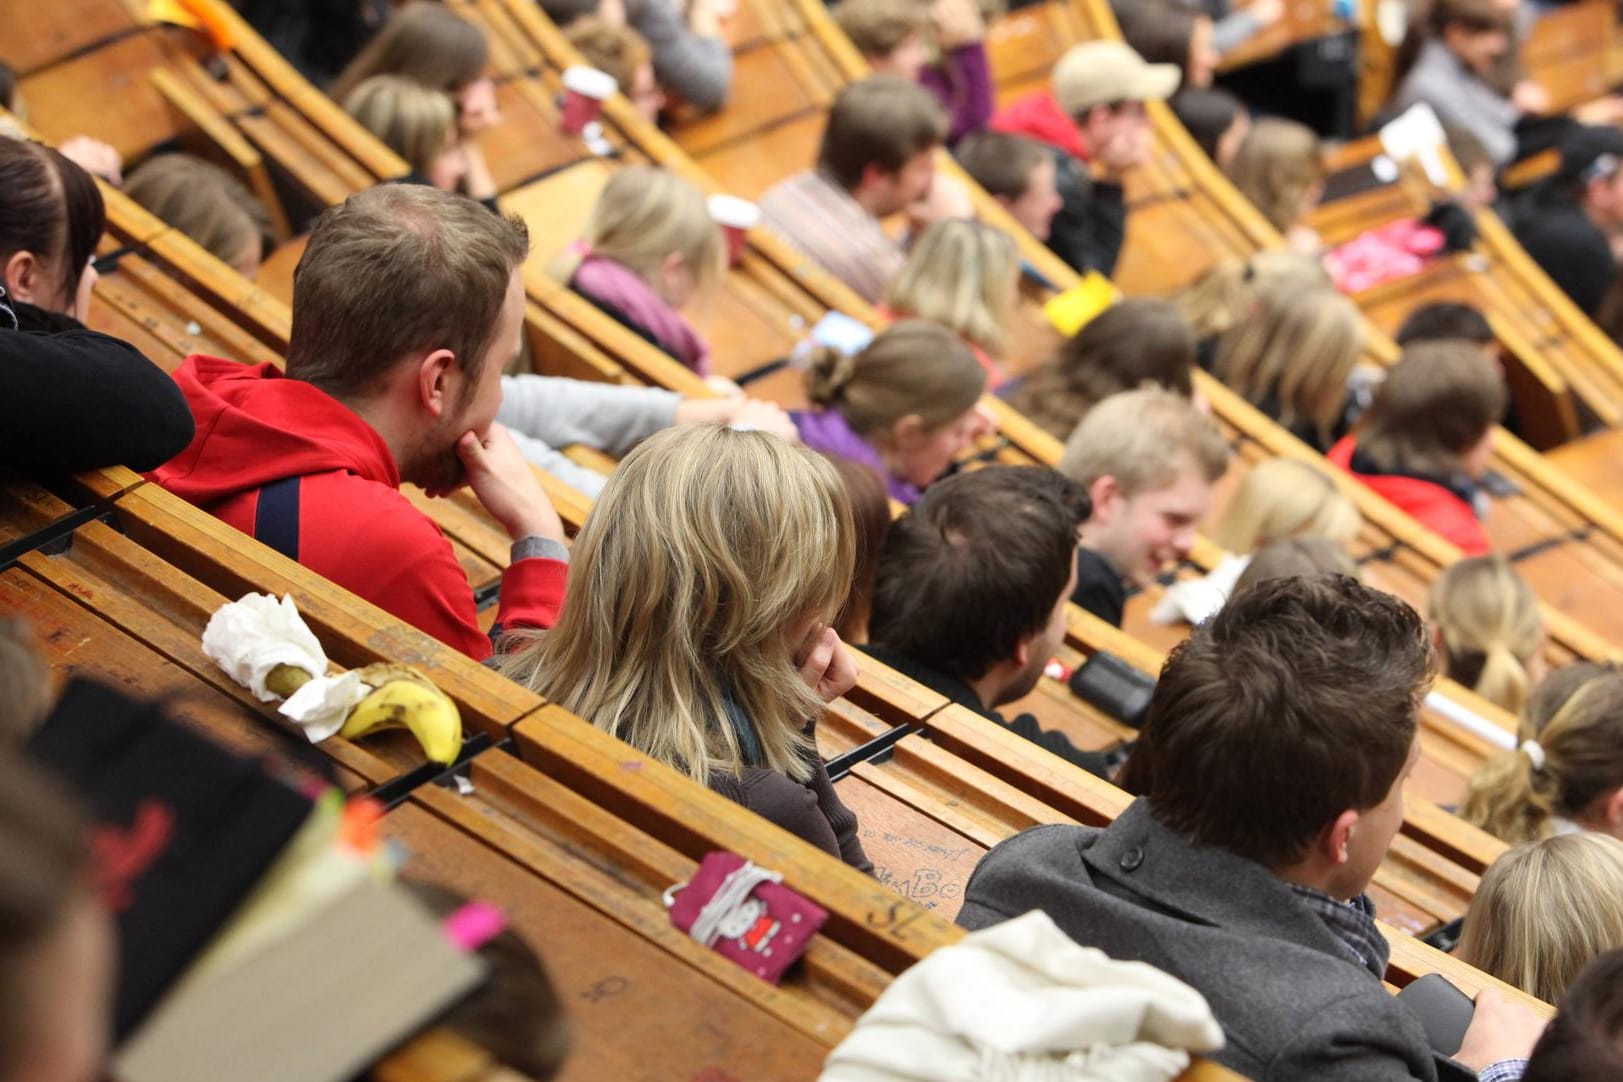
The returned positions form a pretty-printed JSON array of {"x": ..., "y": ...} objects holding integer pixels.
[{"x": 810, "y": 810}]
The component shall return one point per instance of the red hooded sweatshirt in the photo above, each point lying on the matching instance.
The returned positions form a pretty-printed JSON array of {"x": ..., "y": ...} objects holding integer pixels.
[
  {"x": 1039, "y": 116},
  {"x": 255, "y": 427},
  {"x": 1427, "y": 502}
]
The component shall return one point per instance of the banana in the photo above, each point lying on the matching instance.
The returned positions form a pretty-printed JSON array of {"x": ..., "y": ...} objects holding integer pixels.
[
  {"x": 405, "y": 698},
  {"x": 284, "y": 680}
]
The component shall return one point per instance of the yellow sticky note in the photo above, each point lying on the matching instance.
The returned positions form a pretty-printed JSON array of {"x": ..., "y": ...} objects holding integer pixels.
[{"x": 1070, "y": 311}]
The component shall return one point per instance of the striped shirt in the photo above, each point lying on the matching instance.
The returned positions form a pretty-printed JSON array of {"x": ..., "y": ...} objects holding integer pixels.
[{"x": 822, "y": 221}]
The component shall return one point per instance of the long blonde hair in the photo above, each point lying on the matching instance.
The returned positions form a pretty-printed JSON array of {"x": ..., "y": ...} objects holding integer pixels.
[
  {"x": 1295, "y": 352},
  {"x": 1488, "y": 621},
  {"x": 1579, "y": 758},
  {"x": 960, "y": 274},
  {"x": 1283, "y": 498},
  {"x": 706, "y": 547},
  {"x": 1277, "y": 167},
  {"x": 412, "y": 120},
  {"x": 1544, "y": 911},
  {"x": 644, "y": 215},
  {"x": 1226, "y": 295},
  {"x": 911, "y": 367}
]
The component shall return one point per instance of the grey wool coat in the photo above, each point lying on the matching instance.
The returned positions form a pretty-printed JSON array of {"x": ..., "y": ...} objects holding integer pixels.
[{"x": 1292, "y": 1005}]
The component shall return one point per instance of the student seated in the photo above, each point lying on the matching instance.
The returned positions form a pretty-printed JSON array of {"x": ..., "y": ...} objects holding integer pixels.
[
  {"x": 80, "y": 400},
  {"x": 1569, "y": 221},
  {"x": 1093, "y": 120},
  {"x": 434, "y": 47},
  {"x": 906, "y": 406},
  {"x": 1148, "y": 459},
  {"x": 1566, "y": 779},
  {"x": 964, "y": 275},
  {"x": 1544, "y": 911},
  {"x": 624, "y": 54},
  {"x": 1137, "y": 341},
  {"x": 940, "y": 44},
  {"x": 1282, "y": 498},
  {"x": 207, "y": 204},
  {"x": 649, "y": 249},
  {"x": 1293, "y": 356},
  {"x": 1295, "y": 557},
  {"x": 419, "y": 124},
  {"x": 692, "y": 60},
  {"x": 1280, "y": 169},
  {"x": 1270, "y": 775},
  {"x": 1227, "y": 295},
  {"x": 1488, "y": 629},
  {"x": 1585, "y": 1042},
  {"x": 1018, "y": 173},
  {"x": 1171, "y": 32},
  {"x": 58, "y": 947},
  {"x": 407, "y": 306},
  {"x": 1444, "y": 321},
  {"x": 1449, "y": 62},
  {"x": 1214, "y": 119},
  {"x": 696, "y": 626},
  {"x": 1428, "y": 439},
  {"x": 877, "y": 158},
  {"x": 971, "y": 593}
]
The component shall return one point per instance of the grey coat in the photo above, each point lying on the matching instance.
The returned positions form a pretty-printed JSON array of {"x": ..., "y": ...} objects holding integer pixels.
[
  {"x": 1461, "y": 100},
  {"x": 545, "y": 413},
  {"x": 1291, "y": 1003}
]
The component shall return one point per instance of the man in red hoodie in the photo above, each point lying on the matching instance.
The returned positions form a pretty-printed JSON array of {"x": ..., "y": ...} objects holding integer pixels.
[
  {"x": 407, "y": 305},
  {"x": 1092, "y": 121}
]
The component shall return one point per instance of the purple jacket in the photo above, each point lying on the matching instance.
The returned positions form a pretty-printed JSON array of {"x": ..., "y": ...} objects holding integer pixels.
[
  {"x": 962, "y": 83},
  {"x": 828, "y": 432}
]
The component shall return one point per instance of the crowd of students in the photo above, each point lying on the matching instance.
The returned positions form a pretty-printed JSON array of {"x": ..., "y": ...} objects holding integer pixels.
[{"x": 743, "y": 561}]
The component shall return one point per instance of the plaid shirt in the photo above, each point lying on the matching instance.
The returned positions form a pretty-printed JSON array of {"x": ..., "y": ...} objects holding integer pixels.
[{"x": 1353, "y": 925}]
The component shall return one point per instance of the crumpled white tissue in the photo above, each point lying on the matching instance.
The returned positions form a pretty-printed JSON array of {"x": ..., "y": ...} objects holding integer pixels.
[
  {"x": 322, "y": 706},
  {"x": 251, "y": 636}
]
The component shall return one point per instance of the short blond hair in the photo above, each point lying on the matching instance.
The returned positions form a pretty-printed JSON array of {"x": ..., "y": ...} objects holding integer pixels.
[
  {"x": 1544, "y": 911},
  {"x": 1144, "y": 439},
  {"x": 412, "y": 120},
  {"x": 1283, "y": 498},
  {"x": 646, "y": 214},
  {"x": 961, "y": 274},
  {"x": 1490, "y": 625}
]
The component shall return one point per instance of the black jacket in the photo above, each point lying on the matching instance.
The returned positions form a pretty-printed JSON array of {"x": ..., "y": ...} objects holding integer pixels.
[
  {"x": 1100, "y": 588},
  {"x": 1088, "y": 231},
  {"x": 1573, "y": 251}
]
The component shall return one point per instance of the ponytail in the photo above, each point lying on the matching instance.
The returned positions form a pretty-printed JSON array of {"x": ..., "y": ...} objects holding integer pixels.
[
  {"x": 828, "y": 374},
  {"x": 1489, "y": 623},
  {"x": 1503, "y": 679},
  {"x": 911, "y": 368},
  {"x": 1510, "y": 799}
]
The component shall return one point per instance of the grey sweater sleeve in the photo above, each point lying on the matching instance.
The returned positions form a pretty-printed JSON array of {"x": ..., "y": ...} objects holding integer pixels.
[
  {"x": 588, "y": 482},
  {"x": 603, "y": 416},
  {"x": 1233, "y": 31},
  {"x": 699, "y": 69}
]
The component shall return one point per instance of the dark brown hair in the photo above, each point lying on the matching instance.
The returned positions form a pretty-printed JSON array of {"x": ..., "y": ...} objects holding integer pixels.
[
  {"x": 1444, "y": 320},
  {"x": 1585, "y": 1042},
  {"x": 44, "y": 862},
  {"x": 870, "y": 518},
  {"x": 1139, "y": 341},
  {"x": 977, "y": 565},
  {"x": 1436, "y": 403},
  {"x": 880, "y": 120},
  {"x": 1000, "y": 162},
  {"x": 427, "y": 43},
  {"x": 50, "y": 207},
  {"x": 1207, "y": 114},
  {"x": 1157, "y": 30},
  {"x": 1294, "y": 704},
  {"x": 394, "y": 270},
  {"x": 517, "y": 1015}
]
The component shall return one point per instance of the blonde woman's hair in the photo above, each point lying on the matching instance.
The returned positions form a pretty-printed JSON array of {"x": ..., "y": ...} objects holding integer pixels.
[
  {"x": 878, "y": 27},
  {"x": 1226, "y": 295},
  {"x": 961, "y": 274},
  {"x": 910, "y": 368},
  {"x": 415, "y": 122},
  {"x": 1580, "y": 757},
  {"x": 1276, "y": 167},
  {"x": 1283, "y": 498},
  {"x": 1544, "y": 911},
  {"x": 644, "y": 215},
  {"x": 1489, "y": 623},
  {"x": 1144, "y": 439},
  {"x": 707, "y": 546},
  {"x": 425, "y": 42},
  {"x": 1294, "y": 353}
]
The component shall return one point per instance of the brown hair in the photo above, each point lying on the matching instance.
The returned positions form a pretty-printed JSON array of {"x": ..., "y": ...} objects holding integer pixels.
[
  {"x": 882, "y": 121},
  {"x": 1550, "y": 694},
  {"x": 911, "y": 367},
  {"x": 394, "y": 270},
  {"x": 25, "y": 686},
  {"x": 877, "y": 27},
  {"x": 1139, "y": 341},
  {"x": 1000, "y": 162},
  {"x": 870, "y": 518},
  {"x": 977, "y": 565},
  {"x": 1295, "y": 556},
  {"x": 1158, "y": 31},
  {"x": 1444, "y": 320},
  {"x": 44, "y": 862},
  {"x": 51, "y": 207},
  {"x": 1436, "y": 403},
  {"x": 618, "y": 50},
  {"x": 1581, "y": 752},
  {"x": 204, "y": 202},
  {"x": 1275, "y": 168},
  {"x": 1585, "y": 1042},
  {"x": 425, "y": 42},
  {"x": 516, "y": 1015},
  {"x": 1305, "y": 689}
]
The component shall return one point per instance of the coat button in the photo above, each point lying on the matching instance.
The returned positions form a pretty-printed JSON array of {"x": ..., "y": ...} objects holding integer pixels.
[{"x": 1132, "y": 859}]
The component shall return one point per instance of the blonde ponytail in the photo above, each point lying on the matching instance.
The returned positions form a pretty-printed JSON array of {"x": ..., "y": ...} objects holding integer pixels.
[
  {"x": 1503, "y": 679},
  {"x": 1490, "y": 626},
  {"x": 1507, "y": 800}
]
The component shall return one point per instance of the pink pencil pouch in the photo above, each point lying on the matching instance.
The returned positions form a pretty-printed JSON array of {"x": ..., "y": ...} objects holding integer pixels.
[{"x": 744, "y": 913}]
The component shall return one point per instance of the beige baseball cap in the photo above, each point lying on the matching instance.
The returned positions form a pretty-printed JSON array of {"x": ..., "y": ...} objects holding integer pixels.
[{"x": 1100, "y": 72}]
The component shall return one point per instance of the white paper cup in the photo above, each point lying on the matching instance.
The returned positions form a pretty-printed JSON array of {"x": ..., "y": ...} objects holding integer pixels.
[{"x": 736, "y": 217}]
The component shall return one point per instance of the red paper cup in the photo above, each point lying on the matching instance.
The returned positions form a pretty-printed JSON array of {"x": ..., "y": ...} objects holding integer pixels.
[
  {"x": 585, "y": 90},
  {"x": 736, "y": 217}
]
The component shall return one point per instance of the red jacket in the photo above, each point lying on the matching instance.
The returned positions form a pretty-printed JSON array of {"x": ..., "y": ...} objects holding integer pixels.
[
  {"x": 1427, "y": 502},
  {"x": 255, "y": 427},
  {"x": 1039, "y": 116}
]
